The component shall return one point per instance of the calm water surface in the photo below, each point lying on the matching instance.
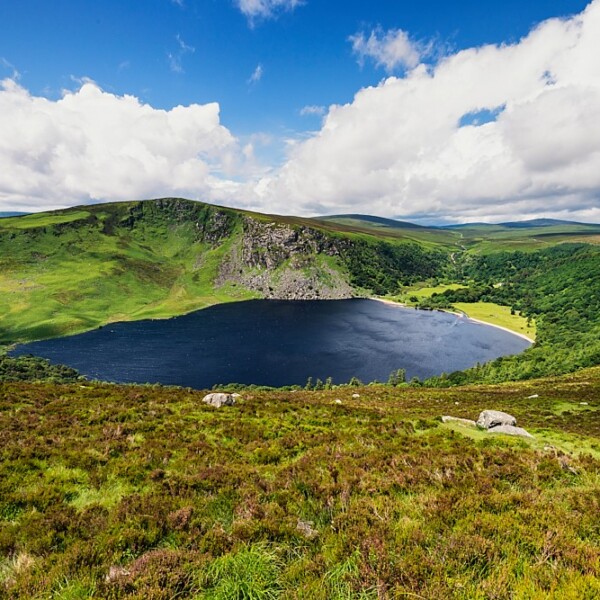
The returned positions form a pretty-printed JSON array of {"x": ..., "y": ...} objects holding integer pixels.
[{"x": 280, "y": 343}]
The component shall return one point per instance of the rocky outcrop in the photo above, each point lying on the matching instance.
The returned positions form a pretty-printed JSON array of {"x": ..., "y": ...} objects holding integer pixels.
[
  {"x": 269, "y": 245},
  {"x": 495, "y": 421},
  {"x": 492, "y": 421},
  {"x": 279, "y": 261}
]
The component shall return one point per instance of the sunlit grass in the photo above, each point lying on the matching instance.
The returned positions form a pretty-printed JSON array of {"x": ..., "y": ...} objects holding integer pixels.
[{"x": 498, "y": 315}]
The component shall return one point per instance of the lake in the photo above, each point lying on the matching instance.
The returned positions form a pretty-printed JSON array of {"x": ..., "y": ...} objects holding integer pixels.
[{"x": 272, "y": 342}]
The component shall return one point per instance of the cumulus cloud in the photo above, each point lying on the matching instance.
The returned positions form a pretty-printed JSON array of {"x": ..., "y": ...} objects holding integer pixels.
[
  {"x": 265, "y": 9},
  {"x": 416, "y": 145},
  {"x": 91, "y": 145},
  {"x": 388, "y": 49}
]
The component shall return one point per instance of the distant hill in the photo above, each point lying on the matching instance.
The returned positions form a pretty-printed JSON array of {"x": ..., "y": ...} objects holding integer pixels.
[
  {"x": 545, "y": 223},
  {"x": 380, "y": 226},
  {"x": 531, "y": 223},
  {"x": 12, "y": 214},
  {"x": 378, "y": 221}
]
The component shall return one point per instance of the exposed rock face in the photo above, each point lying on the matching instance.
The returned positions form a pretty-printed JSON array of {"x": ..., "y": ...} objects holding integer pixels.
[
  {"x": 268, "y": 245},
  {"x": 286, "y": 263},
  {"x": 218, "y": 400},
  {"x": 510, "y": 430},
  {"x": 495, "y": 418}
]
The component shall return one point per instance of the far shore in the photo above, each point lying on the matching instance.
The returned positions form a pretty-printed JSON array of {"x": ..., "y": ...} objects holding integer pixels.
[{"x": 458, "y": 314}]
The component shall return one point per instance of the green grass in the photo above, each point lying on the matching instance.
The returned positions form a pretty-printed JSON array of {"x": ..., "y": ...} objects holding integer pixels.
[
  {"x": 424, "y": 291},
  {"x": 498, "y": 315},
  {"x": 145, "y": 492}
]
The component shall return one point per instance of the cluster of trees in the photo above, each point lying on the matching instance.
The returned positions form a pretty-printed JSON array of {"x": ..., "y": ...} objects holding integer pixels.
[
  {"x": 31, "y": 368},
  {"x": 558, "y": 287},
  {"x": 383, "y": 267}
]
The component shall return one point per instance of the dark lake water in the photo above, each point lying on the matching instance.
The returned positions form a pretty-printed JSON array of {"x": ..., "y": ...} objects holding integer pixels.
[{"x": 280, "y": 343}]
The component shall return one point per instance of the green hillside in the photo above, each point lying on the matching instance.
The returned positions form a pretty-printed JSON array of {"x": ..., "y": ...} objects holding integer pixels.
[
  {"x": 145, "y": 492},
  {"x": 525, "y": 235},
  {"x": 67, "y": 271},
  {"x": 395, "y": 229}
]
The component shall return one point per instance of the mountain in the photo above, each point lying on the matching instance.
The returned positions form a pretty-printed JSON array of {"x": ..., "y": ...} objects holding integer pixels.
[
  {"x": 546, "y": 223},
  {"x": 405, "y": 230},
  {"x": 371, "y": 220},
  {"x": 75, "y": 269}
]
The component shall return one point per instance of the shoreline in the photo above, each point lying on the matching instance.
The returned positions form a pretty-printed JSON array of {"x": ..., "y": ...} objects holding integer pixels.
[{"x": 458, "y": 314}]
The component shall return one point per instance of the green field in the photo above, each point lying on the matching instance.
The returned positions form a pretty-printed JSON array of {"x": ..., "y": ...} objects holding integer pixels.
[
  {"x": 427, "y": 291},
  {"x": 498, "y": 315}
]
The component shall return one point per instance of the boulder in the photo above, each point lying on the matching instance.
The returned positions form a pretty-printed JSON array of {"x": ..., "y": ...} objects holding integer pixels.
[
  {"x": 448, "y": 419},
  {"x": 495, "y": 418},
  {"x": 510, "y": 430},
  {"x": 219, "y": 399}
]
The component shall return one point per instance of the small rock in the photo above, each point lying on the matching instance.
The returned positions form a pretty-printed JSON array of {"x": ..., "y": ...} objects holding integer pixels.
[
  {"x": 338, "y": 401},
  {"x": 218, "y": 399},
  {"x": 356, "y": 395},
  {"x": 457, "y": 403},
  {"x": 115, "y": 572},
  {"x": 306, "y": 529},
  {"x": 584, "y": 403},
  {"x": 448, "y": 419},
  {"x": 565, "y": 465},
  {"x": 533, "y": 396},
  {"x": 510, "y": 430},
  {"x": 494, "y": 418}
]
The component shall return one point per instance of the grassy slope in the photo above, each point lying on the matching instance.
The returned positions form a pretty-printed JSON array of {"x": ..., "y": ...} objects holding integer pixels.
[
  {"x": 293, "y": 495},
  {"x": 485, "y": 239},
  {"x": 56, "y": 281},
  {"x": 68, "y": 271}
]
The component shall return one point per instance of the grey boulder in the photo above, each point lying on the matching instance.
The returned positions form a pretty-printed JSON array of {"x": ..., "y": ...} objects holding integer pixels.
[
  {"x": 219, "y": 399},
  {"x": 510, "y": 430},
  {"x": 495, "y": 418}
]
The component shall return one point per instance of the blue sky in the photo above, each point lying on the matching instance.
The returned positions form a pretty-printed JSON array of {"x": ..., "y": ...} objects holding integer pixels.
[{"x": 273, "y": 66}]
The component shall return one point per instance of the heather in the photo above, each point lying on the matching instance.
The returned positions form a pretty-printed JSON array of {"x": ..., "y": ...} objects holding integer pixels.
[{"x": 144, "y": 492}]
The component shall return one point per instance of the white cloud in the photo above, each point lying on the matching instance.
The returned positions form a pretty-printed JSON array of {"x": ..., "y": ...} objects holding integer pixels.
[
  {"x": 399, "y": 149},
  {"x": 264, "y": 9},
  {"x": 91, "y": 145},
  {"x": 312, "y": 110},
  {"x": 389, "y": 49},
  {"x": 256, "y": 75},
  {"x": 175, "y": 58}
]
